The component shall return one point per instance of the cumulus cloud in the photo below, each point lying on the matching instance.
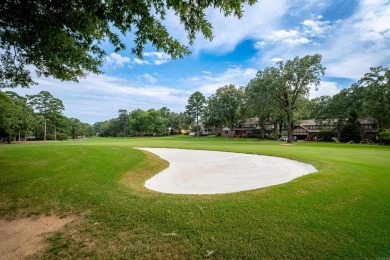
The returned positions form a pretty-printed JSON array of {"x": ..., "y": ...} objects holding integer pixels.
[
  {"x": 148, "y": 78},
  {"x": 140, "y": 62},
  {"x": 362, "y": 41},
  {"x": 117, "y": 60},
  {"x": 326, "y": 88},
  {"x": 230, "y": 31},
  {"x": 157, "y": 58},
  {"x": 208, "y": 84},
  {"x": 98, "y": 97},
  {"x": 275, "y": 60}
]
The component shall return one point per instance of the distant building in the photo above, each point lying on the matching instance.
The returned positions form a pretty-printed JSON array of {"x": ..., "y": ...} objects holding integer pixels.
[{"x": 303, "y": 129}]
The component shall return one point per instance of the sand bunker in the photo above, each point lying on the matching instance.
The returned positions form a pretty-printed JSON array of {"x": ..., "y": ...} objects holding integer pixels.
[{"x": 210, "y": 172}]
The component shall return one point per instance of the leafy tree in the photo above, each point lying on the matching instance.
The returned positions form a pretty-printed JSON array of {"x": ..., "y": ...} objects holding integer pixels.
[
  {"x": 48, "y": 107},
  {"x": 352, "y": 130},
  {"x": 8, "y": 116},
  {"x": 384, "y": 136},
  {"x": 229, "y": 99},
  {"x": 339, "y": 107},
  {"x": 213, "y": 116},
  {"x": 136, "y": 121},
  {"x": 63, "y": 39},
  {"x": 291, "y": 81},
  {"x": 195, "y": 108},
  {"x": 25, "y": 114},
  {"x": 376, "y": 95},
  {"x": 261, "y": 102},
  {"x": 123, "y": 119}
]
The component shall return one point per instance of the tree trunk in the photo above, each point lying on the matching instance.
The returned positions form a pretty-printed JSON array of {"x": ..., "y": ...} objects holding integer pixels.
[
  {"x": 55, "y": 133},
  {"x": 289, "y": 131},
  {"x": 44, "y": 135},
  {"x": 197, "y": 126},
  {"x": 275, "y": 130}
]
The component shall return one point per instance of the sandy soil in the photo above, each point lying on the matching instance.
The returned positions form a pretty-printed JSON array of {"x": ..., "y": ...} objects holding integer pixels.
[
  {"x": 210, "y": 172},
  {"x": 23, "y": 237}
]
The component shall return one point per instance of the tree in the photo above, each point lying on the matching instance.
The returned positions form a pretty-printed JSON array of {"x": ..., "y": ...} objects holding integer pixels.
[
  {"x": 8, "y": 119},
  {"x": 261, "y": 102},
  {"x": 25, "y": 114},
  {"x": 195, "y": 107},
  {"x": 49, "y": 107},
  {"x": 213, "y": 113},
  {"x": 63, "y": 39},
  {"x": 352, "y": 130},
  {"x": 229, "y": 99},
  {"x": 339, "y": 107},
  {"x": 292, "y": 80},
  {"x": 376, "y": 89},
  {"x": 123, "y": 119}
]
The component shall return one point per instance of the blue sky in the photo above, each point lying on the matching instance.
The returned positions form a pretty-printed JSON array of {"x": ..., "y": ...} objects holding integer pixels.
[{"x": 351, "y": 36}]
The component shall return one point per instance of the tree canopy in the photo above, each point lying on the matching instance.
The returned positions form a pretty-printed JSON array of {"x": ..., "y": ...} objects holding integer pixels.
[
  {"x": 63, "y": 38},
  {"x": 196, "y": 107}
]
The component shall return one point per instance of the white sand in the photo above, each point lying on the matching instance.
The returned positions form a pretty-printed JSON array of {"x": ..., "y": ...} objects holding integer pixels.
[{"x": 209, "y": 172}]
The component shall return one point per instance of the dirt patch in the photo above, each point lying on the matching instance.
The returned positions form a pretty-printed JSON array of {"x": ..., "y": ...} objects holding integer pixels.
[{"x": 23, "y": 237}]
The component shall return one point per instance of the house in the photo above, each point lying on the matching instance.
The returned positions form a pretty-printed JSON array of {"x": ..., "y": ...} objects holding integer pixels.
[
  {"x": 309, "y": 129},
  {"x": 247, "y": 128},
  {"x": 303, "y": 129}
]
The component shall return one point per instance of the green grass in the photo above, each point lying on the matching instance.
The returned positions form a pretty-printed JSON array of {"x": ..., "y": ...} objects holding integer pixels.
[{"x": 343, "y": 211}]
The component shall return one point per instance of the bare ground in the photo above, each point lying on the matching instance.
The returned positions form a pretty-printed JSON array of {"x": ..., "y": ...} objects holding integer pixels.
[{"x": 23, "y": 237}]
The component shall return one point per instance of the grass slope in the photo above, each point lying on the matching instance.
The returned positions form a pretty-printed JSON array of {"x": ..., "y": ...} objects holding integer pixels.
[{"x": 343, "y": 211}]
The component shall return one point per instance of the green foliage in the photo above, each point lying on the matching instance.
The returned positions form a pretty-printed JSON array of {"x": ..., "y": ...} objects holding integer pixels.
[
  {"x": 384, "y": 136},
  {"x": 288, "y": 83},
  {"x": 8, "y": 112},
  {"x": 352, "y": 130},
  {"x": 63, "y": 39},
  {"x": 229, "y": 100},
  {"x": 50, "y": 137},
  {"x": 326, "y": 136},
  {"x": 61, "y": 137},
  {"x": 195, "y": 108}
]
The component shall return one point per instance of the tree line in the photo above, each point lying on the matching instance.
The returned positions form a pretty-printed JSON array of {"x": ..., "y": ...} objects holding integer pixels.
[
  {"x": 280, "y": 95},
  {"x": 38, "y": 117},
  {"x": 140, "y": 122}
]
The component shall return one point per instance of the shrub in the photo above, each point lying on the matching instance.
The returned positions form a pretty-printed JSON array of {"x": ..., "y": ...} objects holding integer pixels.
[
  {"x": 384, "y": 137},
  {"x": 62, "y": 136},
  {"x": 49, "y": 137},
  {"x": 325, "y": 136}
]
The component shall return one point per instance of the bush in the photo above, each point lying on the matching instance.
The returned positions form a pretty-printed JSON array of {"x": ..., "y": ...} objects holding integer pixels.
[
  {"x": 49, "y": 137},
  {"x": 384, "y": 137},
  {"x": 325, "y": 136},
  {"x": 62, "y": 136}
]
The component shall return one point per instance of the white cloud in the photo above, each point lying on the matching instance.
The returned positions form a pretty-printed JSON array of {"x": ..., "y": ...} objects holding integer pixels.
[
  {"x": 99, "y": 97},
  {"x": 326, "y": 88},
  {"x": 275, "y": 60},
  {"x": 208, "y": 84},
  {"x": 349, "y": 47},
  {"x": 362, "y": 41},
  {"x": 117, "y": 59},
  {"x": 317, "y": 28},
  {"x": 157, "y": 58},
  {"x": 148, "y": 78},
  {"x": 140, "y": 62},
  {"x": 206, "y": 72},
  {"x": 257, "y": 20}
]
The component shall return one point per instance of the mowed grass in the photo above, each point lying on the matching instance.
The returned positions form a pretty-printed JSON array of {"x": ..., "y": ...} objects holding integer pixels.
[{"x": 343, "y": 211}]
